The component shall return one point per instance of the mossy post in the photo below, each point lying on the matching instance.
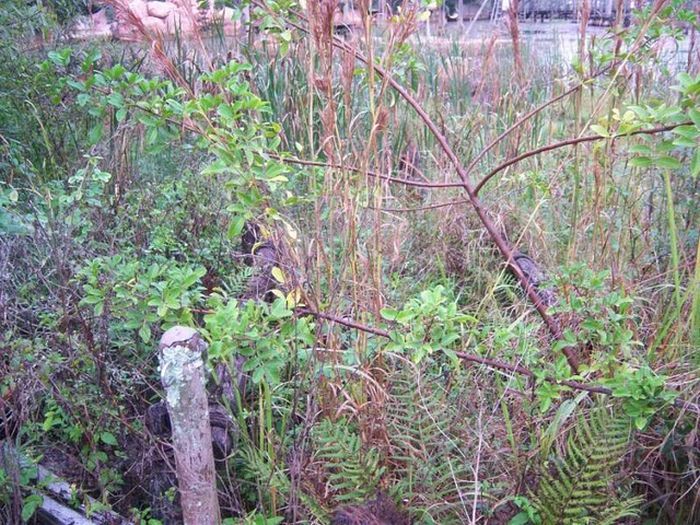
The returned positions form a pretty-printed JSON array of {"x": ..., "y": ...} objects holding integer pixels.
[{"x": 182, "y": 374}]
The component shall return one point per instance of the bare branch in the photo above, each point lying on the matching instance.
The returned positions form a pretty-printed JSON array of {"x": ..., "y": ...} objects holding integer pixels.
[
  {"x": 487, "y": 361},
  {"x": 570, "y": 142}
]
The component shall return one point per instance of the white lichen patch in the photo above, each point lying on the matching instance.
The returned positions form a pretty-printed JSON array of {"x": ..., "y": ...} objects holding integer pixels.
[
  {"x": 177, "y": 365},
  {"x": 180, "y": 361}
]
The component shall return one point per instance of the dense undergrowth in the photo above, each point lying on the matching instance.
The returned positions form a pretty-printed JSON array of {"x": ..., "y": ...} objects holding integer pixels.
[{"x": 397, "y": 351}]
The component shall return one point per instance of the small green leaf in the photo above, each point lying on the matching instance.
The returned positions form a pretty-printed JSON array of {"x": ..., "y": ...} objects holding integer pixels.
[
  {"x": 257, "y": 375},
  {"x": 640, "y": 422},
  {"x": 521, "y": 518},
  {"x": 668, "y": 162},
  {"x": 145, "y": 333},
  {"x": 95, "y": 134},
  {"x": 600, "y": 130},
  {"x": 108, "y": 439},
  {"x": 642, "y": 149},
  {"x": 225, "y": 111},
  {"x": 695, "y": 116},
  {"x": 641, "y": 162},
  {"x": 689, "y": 132},
  {"x": 389, "y": 314},
  {"x": 695, "y": 164},
  {"x": 236, "y": 227},
  {"x": 30, "y": 505}
]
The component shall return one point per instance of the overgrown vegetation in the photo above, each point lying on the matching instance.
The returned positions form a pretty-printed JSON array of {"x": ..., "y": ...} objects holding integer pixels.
[{"x": 485, "y": 298}]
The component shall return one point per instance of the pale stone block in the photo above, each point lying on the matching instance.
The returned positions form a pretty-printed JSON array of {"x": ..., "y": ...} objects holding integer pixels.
[{"x": 154, "y": 24}]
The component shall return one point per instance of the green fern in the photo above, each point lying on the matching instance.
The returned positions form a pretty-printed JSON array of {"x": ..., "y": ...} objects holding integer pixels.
[
  {"x": 578, "y": 488},
  {"x": 428, "y": 434},
  {"x": 352, "y": 472},
  {"x": 237, "y": 282}
]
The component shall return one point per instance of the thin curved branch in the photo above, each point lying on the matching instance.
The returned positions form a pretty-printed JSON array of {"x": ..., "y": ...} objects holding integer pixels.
[
  {"x": 472, "y": 164},
  {"x": 569, "y": 142},
  {"x": 369, "y": 173},
  {"x": 487, "y": 361},
  {"x": 493, "y": 232},
  {"x": 421, "y": 208}
]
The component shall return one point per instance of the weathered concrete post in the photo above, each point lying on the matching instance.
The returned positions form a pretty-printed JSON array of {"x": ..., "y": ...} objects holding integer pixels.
[{"x": 182, "y": 375}]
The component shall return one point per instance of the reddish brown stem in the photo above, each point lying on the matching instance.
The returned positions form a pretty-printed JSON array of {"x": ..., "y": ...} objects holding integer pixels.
[
  {"x": 482, "y": 213},
  {"x": 569, "y": 142},
  {"x": 500, "y": 241},
  {"x": 486, "y": 361},
  {"x": 493, "y": 232},
  {"x": 369, "y": 173}
]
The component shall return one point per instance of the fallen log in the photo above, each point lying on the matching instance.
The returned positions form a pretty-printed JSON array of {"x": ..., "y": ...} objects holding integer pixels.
[
  {"x": 52, "y": 512},
  {"x": 61, "y": 490},
  {"x": 57, "y": 495}
]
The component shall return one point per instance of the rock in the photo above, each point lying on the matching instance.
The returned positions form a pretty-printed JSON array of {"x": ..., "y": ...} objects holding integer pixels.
[
  {"x": 100, "y": 18},
  {"x": 262, "y": 254},
  {"x": 93, "y": 26},
  {"x": 179, "y": 22},
  {"x": 83, "y": 27},
  {"x": 379, "y": 511},
  {"x": 160, "y": 9},
  {"x": 537, "y": 278},
  {"x": 154, "y": 24},
  {"x": 138, "y": 8},
  {"x": 124, "y": 31}
]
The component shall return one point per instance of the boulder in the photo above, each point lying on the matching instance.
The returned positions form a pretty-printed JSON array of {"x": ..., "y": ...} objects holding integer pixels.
[
  {"x": 154, "y": 24},
  {"x": 161, "y": 9},
  {"x": 92, "y": 26},
  {"x": 139, "y": 8},
  {"x": 177, "y": 21},
  {"x": 124, "y": 31},
  {"x": 100, "y": 18}
]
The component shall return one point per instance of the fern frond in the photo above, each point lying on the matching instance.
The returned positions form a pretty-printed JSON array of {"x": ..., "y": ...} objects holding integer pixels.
[
  {"x": 428, "y": 434},
  {"x": 237, "y": 282},
  {"x": 578, "y": 487},
  {"x": 351, "y": 472}
]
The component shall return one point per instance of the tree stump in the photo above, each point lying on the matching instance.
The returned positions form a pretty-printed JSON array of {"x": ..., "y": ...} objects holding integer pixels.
[{"x": 182, "y": 375}]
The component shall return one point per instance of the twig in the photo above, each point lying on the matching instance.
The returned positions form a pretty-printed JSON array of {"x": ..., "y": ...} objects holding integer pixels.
[
  {"x": 370, "y": 173},
  {"x": 421, "y": 208},
  {"x": 570, "y": 142},
  {"x": 487, "y": 361}
]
